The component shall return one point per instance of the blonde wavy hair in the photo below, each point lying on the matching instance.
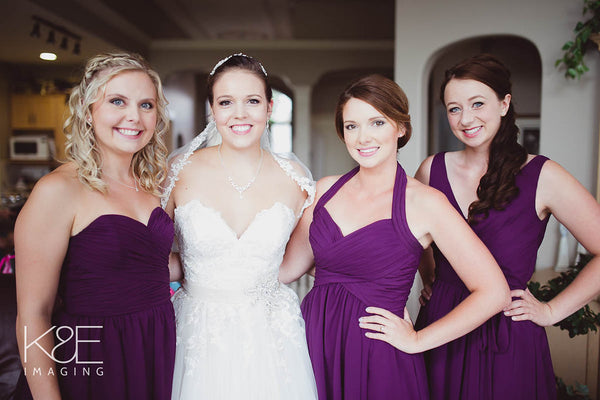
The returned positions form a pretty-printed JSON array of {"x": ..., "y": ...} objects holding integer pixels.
[{"x": 148, "y": 165}]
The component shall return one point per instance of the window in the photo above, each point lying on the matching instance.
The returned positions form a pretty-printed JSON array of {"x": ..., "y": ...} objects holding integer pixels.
[{"x": 281, "y": 123}]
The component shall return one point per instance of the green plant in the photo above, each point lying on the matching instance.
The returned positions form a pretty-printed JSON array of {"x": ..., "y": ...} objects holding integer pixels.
[
  {"x": 583, "y": 320},
  {"x": 576, "y": 391},
  {"x": 574, "y": 50}
]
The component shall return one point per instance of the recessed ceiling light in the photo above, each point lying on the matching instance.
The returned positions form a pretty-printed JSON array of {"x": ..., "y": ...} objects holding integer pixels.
[{"x": 48, "y": 56}]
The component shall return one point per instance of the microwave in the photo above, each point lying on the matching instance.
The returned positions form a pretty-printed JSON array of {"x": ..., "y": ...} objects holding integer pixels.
[{"x": 31, "y": 147}]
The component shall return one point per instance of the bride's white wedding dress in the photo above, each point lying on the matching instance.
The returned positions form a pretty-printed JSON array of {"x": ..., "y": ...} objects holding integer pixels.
[{"x": 240, "y": 333}]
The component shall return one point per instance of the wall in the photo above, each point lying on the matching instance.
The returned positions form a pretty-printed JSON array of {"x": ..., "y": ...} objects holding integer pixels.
[
  {"x": 180, "y": 91},
  {"x": 568, "y": 108}
]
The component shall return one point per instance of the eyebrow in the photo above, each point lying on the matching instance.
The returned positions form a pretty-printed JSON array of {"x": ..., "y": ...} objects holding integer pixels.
[
  {"x": 116, "y": 94},
  {"x": 246, "y": 97},
  {"x": 370, "y": 119},
  {"x": 127, "y": 98}
]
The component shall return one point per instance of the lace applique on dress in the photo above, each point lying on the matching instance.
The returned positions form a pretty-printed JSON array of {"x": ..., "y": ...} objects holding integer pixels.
[{"x": 305, "y": 182}]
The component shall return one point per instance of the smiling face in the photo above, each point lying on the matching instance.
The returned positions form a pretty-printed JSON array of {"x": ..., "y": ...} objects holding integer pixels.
[
  {"x": 240, "y": 108},
  {"x": 371, "y": 138},
  {"x": 124, "y": 116},
  {"x": 474, "y": 111}
]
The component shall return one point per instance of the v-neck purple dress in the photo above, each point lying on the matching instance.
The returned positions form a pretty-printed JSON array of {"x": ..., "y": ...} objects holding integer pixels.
[
  {"x": 372, "y": 266},
  {"x": 114, "y": 289},
  {"x": 501, "y": 359}
]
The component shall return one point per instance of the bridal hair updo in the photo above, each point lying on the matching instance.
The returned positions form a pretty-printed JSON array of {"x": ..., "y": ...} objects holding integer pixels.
[
  {"x": 238, "y": 61},
  {"x": 384, "y": 95},
  {"x": 148, "y": 164},
  {"x": 497, "y": 188}
]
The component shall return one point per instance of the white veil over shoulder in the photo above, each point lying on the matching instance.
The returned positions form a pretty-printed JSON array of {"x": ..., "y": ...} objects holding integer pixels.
[{"x": 210, "y": 136}]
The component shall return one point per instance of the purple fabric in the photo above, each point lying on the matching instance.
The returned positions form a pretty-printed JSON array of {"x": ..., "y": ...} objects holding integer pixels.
[
  {"x": 501, "y": 359},
  {"x": 372, "y": 266},
  {"x": 115, "y": 275}
]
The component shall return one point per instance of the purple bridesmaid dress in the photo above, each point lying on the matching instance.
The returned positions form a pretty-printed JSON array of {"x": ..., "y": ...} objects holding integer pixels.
[
  {"x": 501, "y": 359},
  {"x": 372, "y": 266},
  {"x": 115, "y": 278}
]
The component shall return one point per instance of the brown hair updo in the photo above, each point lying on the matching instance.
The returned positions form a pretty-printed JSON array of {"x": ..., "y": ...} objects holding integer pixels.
[
  {"x": 238, "y": 61},
  {"x": 384, "y": 95}
]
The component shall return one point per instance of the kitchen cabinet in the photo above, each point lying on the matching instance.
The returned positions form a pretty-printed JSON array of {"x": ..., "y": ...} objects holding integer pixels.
[{"x": 40, "y": 112}]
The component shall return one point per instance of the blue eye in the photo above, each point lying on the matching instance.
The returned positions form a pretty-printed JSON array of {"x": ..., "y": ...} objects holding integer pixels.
[
  {"x": 147, "y": 106},
  {"x": 477, "y": 104},
  {"x": 453, "y": 110},
  {"x": 117, "y": 102}
]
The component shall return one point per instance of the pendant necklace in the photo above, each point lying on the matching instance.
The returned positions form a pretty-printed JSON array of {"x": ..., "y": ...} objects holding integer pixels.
[
  {"x": 238, "y": 188},
  {"x": 123, "y": 184}
]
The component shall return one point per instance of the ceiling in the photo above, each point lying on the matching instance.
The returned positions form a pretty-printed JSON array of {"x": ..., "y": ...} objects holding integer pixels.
[{"x": 141, "y": 25}]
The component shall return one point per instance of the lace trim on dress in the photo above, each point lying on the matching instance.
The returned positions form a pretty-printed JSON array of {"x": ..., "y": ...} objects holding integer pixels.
[
  {"x": 179, "y": 159},
  {"x": 176, "y": 167},
  {"x": 305, "y": 182}
]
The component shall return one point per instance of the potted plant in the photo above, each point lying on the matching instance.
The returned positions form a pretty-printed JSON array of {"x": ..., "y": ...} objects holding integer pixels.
[
  {"x": 586, "y": 33},
  {"x": 580, "y": 322}
]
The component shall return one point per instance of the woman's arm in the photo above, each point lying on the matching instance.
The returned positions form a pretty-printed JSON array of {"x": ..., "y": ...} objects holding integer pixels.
[
  {"x": 472, "y": 262},
  {"x": 42, "y": 233},
  {"x": 562, "y": 195},
  {"x": 298, "y": 258},
  {"x": 427, "y": 272},
  {"x": 427, "y": 263},
  {"x": 175, "y": 270}
]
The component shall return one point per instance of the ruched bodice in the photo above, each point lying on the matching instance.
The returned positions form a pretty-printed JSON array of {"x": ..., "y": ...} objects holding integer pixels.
[
  {"x": 123, "y": 256},
  {"x": 368, "y": 262},
  {"x": 114, "y": 298},
  {"x": 372, "y": 266},
  {"x": 515, "y": 257}
]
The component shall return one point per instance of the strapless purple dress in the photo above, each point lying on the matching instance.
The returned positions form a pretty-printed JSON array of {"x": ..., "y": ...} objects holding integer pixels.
[
  {"x": 115, "y": 278},
  {"x": 372, "y": 266},
  {"x": 501, "y": 359}
]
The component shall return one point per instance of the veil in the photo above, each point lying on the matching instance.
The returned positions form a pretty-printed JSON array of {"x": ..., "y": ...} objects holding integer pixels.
[{"x": 210, "y": 137}]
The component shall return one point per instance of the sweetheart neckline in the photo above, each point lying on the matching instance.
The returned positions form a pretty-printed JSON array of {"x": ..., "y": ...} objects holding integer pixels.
[
  {"x": 102, "y": 216},
  {"x": 229, "y": 228}
]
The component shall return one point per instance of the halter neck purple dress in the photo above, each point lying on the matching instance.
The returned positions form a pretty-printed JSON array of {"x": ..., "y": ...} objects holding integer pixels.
[
  {"x": 501, "y": 359},
  {"x": 372, "y": 266},
  {"x": 115, "y": 276}
]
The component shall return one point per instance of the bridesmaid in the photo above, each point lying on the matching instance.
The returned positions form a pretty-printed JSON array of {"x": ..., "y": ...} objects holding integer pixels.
[
  {"x": 92, "y": 247},
  {"x": 507, "y": 196},
  {"x": 365, "y": 234}
]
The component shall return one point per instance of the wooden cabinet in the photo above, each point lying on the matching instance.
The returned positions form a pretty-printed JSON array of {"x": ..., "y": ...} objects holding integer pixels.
[{"x": 37, "y": 112}]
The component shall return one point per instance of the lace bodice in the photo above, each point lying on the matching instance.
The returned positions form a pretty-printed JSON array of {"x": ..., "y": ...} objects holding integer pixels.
[
  {"x": 213, "y": 256},
  {"x": 234, "y": 318}
]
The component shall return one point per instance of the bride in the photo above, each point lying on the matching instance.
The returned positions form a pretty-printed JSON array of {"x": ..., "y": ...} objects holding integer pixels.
[{"x": 240, "y": 333}]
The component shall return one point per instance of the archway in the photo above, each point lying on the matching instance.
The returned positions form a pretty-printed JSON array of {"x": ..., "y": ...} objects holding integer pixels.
[{"x": 522, "y": 59}]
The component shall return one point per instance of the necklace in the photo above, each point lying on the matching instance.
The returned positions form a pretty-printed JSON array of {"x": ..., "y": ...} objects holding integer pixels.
[
  {"x": 238, "y": 188},
  {"x": 123, "y": 184}
]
